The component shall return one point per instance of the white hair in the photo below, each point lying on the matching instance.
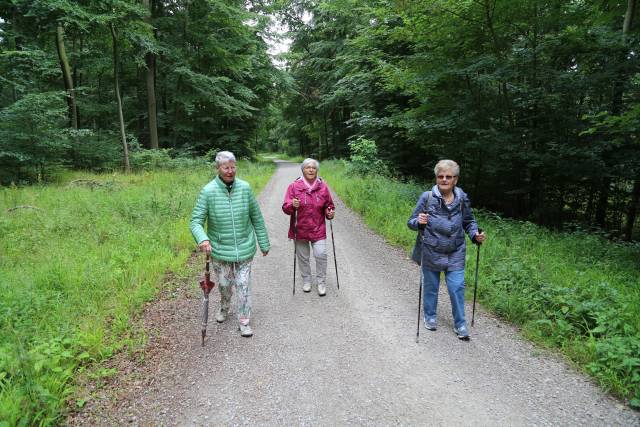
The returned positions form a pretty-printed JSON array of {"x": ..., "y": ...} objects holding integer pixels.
[
  {"x": 447, "y": 165},
  {"x": 307, "y": 162},
  {"x": 224, "y": 157}
]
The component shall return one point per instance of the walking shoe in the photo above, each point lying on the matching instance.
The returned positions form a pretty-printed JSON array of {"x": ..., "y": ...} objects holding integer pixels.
[
  {"x": 306, "y": 287},
  {"x": 322, "y": 289},
  {"x": 431, "y": 324},
  {"x": 246, "y": 331},
  {"x": 221, "y": 315},
  {"x": 462, "y": 333}
]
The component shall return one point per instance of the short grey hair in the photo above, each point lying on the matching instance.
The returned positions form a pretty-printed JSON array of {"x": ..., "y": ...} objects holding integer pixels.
[
  {"x": 307, "y": 161},
  {"x": 224, "y": 157},
  {"x": 447, "y": 165}
]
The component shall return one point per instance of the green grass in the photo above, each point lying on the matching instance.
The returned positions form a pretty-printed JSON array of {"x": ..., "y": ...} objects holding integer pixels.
[
  {"x": 575, "y": 292},
  {"x": 76, "y": 269}
]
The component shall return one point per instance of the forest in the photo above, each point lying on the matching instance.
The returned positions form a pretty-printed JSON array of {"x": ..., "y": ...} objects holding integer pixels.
[{"x": 537, "y": 100}]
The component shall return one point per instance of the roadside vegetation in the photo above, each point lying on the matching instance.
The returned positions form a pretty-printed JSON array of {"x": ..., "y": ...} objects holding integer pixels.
[
  {"x": 78, "y": 259},
  {"x": 573, "y": 291}
]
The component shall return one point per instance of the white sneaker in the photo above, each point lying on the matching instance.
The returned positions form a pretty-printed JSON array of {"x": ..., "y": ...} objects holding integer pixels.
[
  {"x": 322, "y": 289},
  {"x": 306, "y": 287},
  {"x": 221, "y": 315},
  {"x": 246, "y": 331}
]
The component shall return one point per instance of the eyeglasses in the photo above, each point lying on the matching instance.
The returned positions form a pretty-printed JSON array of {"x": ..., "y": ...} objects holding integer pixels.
[{"x": 447, "y": 177}]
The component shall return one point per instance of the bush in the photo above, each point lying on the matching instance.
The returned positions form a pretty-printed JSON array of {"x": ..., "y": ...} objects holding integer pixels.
[{"x": 364, "y": 158}]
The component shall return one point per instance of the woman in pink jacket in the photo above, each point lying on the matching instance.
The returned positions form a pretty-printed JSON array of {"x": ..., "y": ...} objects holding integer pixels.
[{"x": 309, "y": 196}]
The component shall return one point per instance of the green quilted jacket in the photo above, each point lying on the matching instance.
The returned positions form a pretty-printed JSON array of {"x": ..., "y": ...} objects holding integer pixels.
[{"x": 231, "y": 217}]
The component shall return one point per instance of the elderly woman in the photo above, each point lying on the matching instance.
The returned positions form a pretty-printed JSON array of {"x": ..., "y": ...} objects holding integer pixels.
[
  {"x": 309, "y": 202},
  {"x": 233, "y": 219},
  {"x": 442, "y": 216}
]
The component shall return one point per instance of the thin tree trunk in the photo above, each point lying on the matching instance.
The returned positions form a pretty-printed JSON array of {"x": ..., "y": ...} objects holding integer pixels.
[
  {"x": 603, "y": 202},
  {"x": 629, "y": 17},
  {"x": 116, "y": 84},
  {"x": 150, "y": 60},
  {"x": 66, "y": 76}
]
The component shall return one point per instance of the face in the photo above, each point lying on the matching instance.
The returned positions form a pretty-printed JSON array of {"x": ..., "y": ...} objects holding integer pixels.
[
  {"x": 227, "y": 172},
  {"x": 310, "y": 172},
  {"x": 446, "y": 180}
]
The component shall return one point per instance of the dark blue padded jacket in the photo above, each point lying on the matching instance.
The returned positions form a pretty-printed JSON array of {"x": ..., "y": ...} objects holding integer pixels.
[{"x": 441, "y": 246}]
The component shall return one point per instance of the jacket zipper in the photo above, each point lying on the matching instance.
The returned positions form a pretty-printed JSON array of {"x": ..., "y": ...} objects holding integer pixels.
[{"x": 233, "y": 225}]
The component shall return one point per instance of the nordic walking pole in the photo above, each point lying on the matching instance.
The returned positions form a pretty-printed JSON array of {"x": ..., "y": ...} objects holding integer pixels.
[
  {"x": 295, "y": 249},
  {"x": 421, "y": 231},
  {"x": 333, "y": 242},
  {"x": 475, "y": 287},
  {"x": 419, "y": 304}
]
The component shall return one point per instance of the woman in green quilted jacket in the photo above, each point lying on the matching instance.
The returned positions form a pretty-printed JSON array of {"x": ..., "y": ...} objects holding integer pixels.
[{"x": 234, "y": 221}]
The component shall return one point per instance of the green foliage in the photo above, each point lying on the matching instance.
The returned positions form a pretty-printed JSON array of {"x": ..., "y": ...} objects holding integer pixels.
[
  {"x": 33, "y": 135},
  {"x": 364, "y": 158},
  {"x": 573, "y": 291},
  {"x": 77, "y": 262},
  {"x": 213, "y": 81},
  {"x": 538, "y": 102}
]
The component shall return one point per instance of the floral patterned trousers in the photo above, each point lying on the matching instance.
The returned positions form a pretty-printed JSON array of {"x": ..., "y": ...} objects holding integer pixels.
[{"x": 238, "y": 274}]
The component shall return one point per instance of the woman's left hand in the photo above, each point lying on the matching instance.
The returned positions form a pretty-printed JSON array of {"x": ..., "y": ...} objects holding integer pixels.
[
  {"x": 331, "y": 213},
  {"x": 480, "y": 237}
]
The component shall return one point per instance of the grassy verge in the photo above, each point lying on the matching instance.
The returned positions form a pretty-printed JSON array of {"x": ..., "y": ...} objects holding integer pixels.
[
  {"x": 77, "y": 260},
  {"x": 572, "y": 291}
]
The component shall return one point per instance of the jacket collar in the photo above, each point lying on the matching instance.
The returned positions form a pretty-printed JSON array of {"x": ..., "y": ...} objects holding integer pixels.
[
  {"x": 456, "y": 191},
  {"x": 223, "y": 185},
  {"x": 303, "y": 186}
]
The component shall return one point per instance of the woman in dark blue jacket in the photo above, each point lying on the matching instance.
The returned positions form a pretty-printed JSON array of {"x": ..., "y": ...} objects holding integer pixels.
[{"x": 442, "y": 216}]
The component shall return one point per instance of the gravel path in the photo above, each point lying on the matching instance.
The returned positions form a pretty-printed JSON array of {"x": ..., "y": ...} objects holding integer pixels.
[{"x": 349, "y": 358}]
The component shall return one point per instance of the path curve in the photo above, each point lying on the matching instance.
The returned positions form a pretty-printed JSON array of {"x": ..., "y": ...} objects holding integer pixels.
[{"x": 349, "y": 358}]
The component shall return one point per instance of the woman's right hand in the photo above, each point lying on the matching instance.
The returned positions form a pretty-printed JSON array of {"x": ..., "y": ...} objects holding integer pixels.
[
  {"x": 423, "y": 218},
  {"x": 205, "y": 246},
  {"x": 296, "y": 203}
]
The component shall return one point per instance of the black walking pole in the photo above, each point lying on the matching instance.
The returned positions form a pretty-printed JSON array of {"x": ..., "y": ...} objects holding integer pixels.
[
  {"x": 295, "y": 249},
  {"x": 421, "y": 232},
  {"x": 333, "y": 242},
  {"x": 419, "y": 304},
  {"x": 475, "y": 288}
]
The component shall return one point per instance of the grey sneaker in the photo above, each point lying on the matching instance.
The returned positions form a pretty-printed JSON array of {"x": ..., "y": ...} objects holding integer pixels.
[
  {"x": 431, "y": 324},
  {"x": 462, "y": 333},
  {"x": 322, "y": 289},
  {"x": 221, "y": 315},
  {"x": 246, "y": 331},
  {"x": 306, "y": 287}
]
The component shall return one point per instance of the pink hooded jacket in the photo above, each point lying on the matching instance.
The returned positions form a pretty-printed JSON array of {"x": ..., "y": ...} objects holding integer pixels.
[{"x": 314, "y": 205}]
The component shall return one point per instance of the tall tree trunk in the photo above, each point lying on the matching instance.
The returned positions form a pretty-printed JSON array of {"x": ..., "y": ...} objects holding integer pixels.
[
  {"x": 150, "y": 60},
  {"x": 603, "y": 202},
  {"x": 616, "y": 109},
  {"x": 116, "y": 84},
  {"x": 66, "y": 77},
  {"x": 632, "y": 208},
  {"x": 629, "y": 17}
]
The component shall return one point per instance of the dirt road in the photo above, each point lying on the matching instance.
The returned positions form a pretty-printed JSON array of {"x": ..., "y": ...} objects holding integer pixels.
[{"x": 349, "y": 358}]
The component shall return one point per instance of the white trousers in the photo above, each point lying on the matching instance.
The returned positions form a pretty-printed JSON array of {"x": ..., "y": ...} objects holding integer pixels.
[{"x": 319, "y": 253}]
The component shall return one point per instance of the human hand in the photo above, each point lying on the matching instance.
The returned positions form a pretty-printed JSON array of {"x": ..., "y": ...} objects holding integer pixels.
[
  {"x": 331, "y": 212},
  {"x": 264, "y": 253},
  {"x": 423, "y": 218},
  {"x": 205, "y": 246},
  {"x": 296, "y": 203},
  {"x": 479, "y": 237}
]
